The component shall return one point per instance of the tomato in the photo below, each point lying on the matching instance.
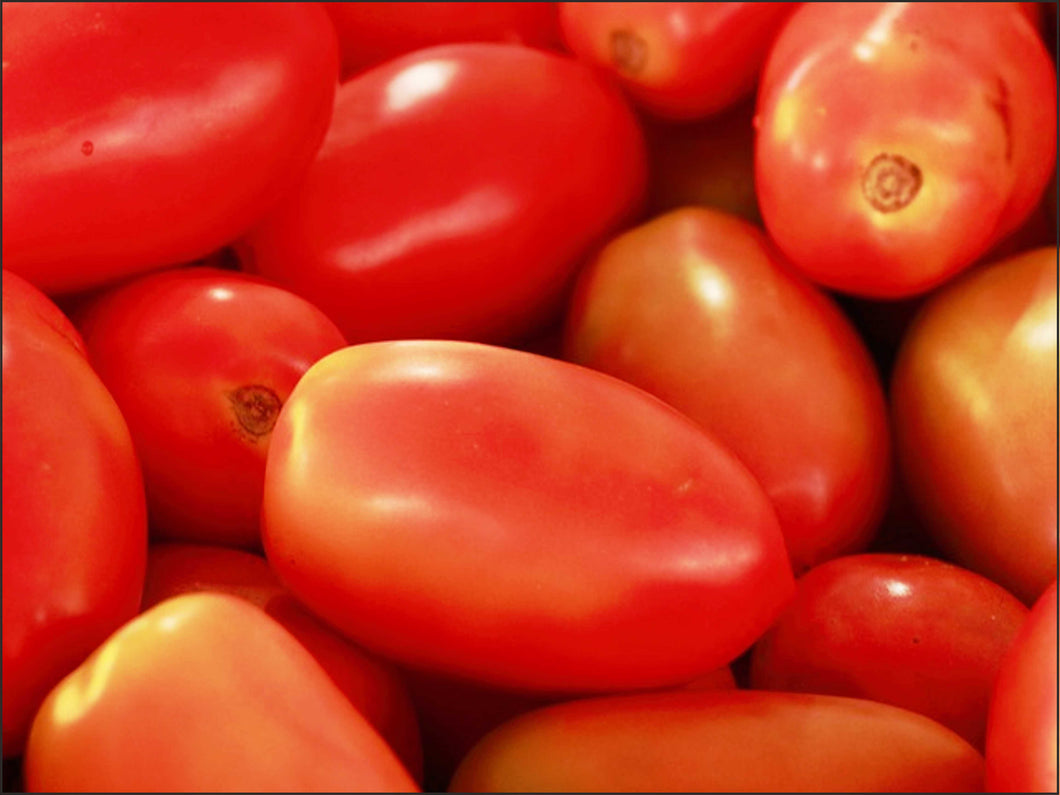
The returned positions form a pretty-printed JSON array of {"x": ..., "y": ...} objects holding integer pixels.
[
  {"x": 898, "y": 141},
  {"x": 204, "y": 692},
  {"x": 730, "y": 741},
  {"x": 200, "y": 361},
  {"x": 676, "y": 60},
  {"x": 516, "y": 520},
  {"x": 1021, "y": 739},
  {"x": 902, "y": 629},
  {"x": 974, "y": 404},
  {"x": 371, "y": 33},
  {"x": 138, "y": 135},
  {"x": 457, "y": 190},
  {"x": 74, "y": 523},
  {"x": 370, "y": 684},
  {"x": 698, "y": 308}
]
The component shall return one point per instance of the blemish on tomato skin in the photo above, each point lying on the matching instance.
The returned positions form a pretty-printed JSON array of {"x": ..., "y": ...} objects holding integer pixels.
[
  {"x": 629, "y": 52},
  {"x": 255, "y": 408},
  {"x": 87, "y": 148},
  {"x": 890, "y": 182}
]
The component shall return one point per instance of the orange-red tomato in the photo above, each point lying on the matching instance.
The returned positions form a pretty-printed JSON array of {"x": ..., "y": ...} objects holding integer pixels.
[
  {"x": 204, "y": 692},
  {"x": 974, "y": 405}
]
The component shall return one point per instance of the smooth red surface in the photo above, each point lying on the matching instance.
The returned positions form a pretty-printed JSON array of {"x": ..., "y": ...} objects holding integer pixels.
[
  {"x": 1021, "y": 739},
  {"x": 139, "y": 135},
  {"x": 698, "y": 308},
  {"x": 456, "y": 192},
  {"x": 204, "y": 692},
  {"x": 974, "y": 405},
  {"x": 200, "y": 361},
  {"x": 732, "y": 741},
  {"x": 676, "y": 60},
  {"x": 74, "y": 524},
  {"x": 516, "y": 520},
  {"x": 958, "y": 99},
  {"x": 901, "y": 629}
]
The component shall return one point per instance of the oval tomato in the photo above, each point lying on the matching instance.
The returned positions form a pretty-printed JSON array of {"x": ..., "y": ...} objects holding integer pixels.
[
  {"x": 974, "y": 403},
  {"x": 200, "y": 361},
  {"x": 699, "y": 309},
  {"x": 732, "y": 741},
  {"x": 205, "y": 693},
  {"x": 516, "y": 520},
  {"x": 137, "y": 135},
  {"x": 1021, "y": 738},
  {"x": 898, "y": 142},
  {"x": 457, "y": 190},
  {"x": 895, "y": 629},
  {"x": 74, "y": 523}
]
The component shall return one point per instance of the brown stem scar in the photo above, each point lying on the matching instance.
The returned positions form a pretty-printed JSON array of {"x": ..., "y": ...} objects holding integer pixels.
[
  {"x": 890, "y": 182},
  {"x": 629, "y": 52},
  {"x": 255, "y": 408}
]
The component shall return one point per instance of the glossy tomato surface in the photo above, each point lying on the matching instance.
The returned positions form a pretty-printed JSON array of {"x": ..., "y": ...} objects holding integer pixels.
[
  {"x": 898, "y": 141},
  {"x": 516, "y": 520},
  {"x": 371, "y": 685},
  {"x": 698, "y": 308},
  {"x": 906, "y": 630},
  {"x": 204, "y": 692},
  {"x": 74, "y": 523},
  {"x": 200, "y": 361},
  {"x": 138, "y": 135},
  {"x": 974, "y": 405},
  {"x": 1021, "y": 740},
  {"x": 456, "y": 191},
  {"x": 735, "y": 741}
]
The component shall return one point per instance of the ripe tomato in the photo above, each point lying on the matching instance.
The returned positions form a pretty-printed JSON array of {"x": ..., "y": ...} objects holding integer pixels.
[
  {"x": 902, "y": 629},
  {"x": 137, "y": 135},
  {"x": 200, "y": 361},
  {"x": 974, "y": 402},
  {"x": 74, "y": 523},
  {"x": 730, "y": 741},
  {"x": 1021, "y": 738},
  {"x": 371, "y": 33},
  {"x": 676, "y": 60},
  {"x": 699, "y": 309},
  {"x": 205, "y": 693},
  {"x": 455, "y": 193},
  {"x": 516, "y": 520},
  {"x": 898, "y": 141}
]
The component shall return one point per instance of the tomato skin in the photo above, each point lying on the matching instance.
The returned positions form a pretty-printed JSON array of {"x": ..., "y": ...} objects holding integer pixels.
[
  {"x": 1021, "y": 739},
  {"x": 897, "y": 143},
  {"x": 729, "y": 741},
  {"x": 200, "y": 361},
  {"x": 371, "y": 685},
  {"x": 699, "y": 309},
  {"x": 435, "y": 208},
  {"x": 205, "y": 693},
  {"x": 895, "y": 629},
  {"x": 74, "y": 522},
  {"x": 974, "y": 408},
  {"x": 516, "y": 520},
  {"x": 677, "y": 60},
  {"x": 102, "y": 135},
  {"x": 371, "y": 33}
]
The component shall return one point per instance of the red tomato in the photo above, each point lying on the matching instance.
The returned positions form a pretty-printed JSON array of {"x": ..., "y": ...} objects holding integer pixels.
[
  {"x": 74, "y": 523},
  {"x": 1021, "y": 738},
  {"x": 516, "y": 520},
  {"x": 205, "y": 693},
  {"x": 137, "y": 135},
  {"x": 905, "y": 630},
  {"x": 898, "y": 141},
  {"x": 200, "y": 361},
  {"x": 974, "y": 403},
  {"x": 676, "y": 60},
  {"x": 732, "y": 741},
  {"x": 699, "y": 309},
  {"x": 455, "y": 193},
  {"x": 371, "y": 33}
]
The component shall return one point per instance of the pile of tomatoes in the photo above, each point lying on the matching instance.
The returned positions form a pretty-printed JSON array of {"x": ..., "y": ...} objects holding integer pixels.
[{"x": 529, "y": 397}]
